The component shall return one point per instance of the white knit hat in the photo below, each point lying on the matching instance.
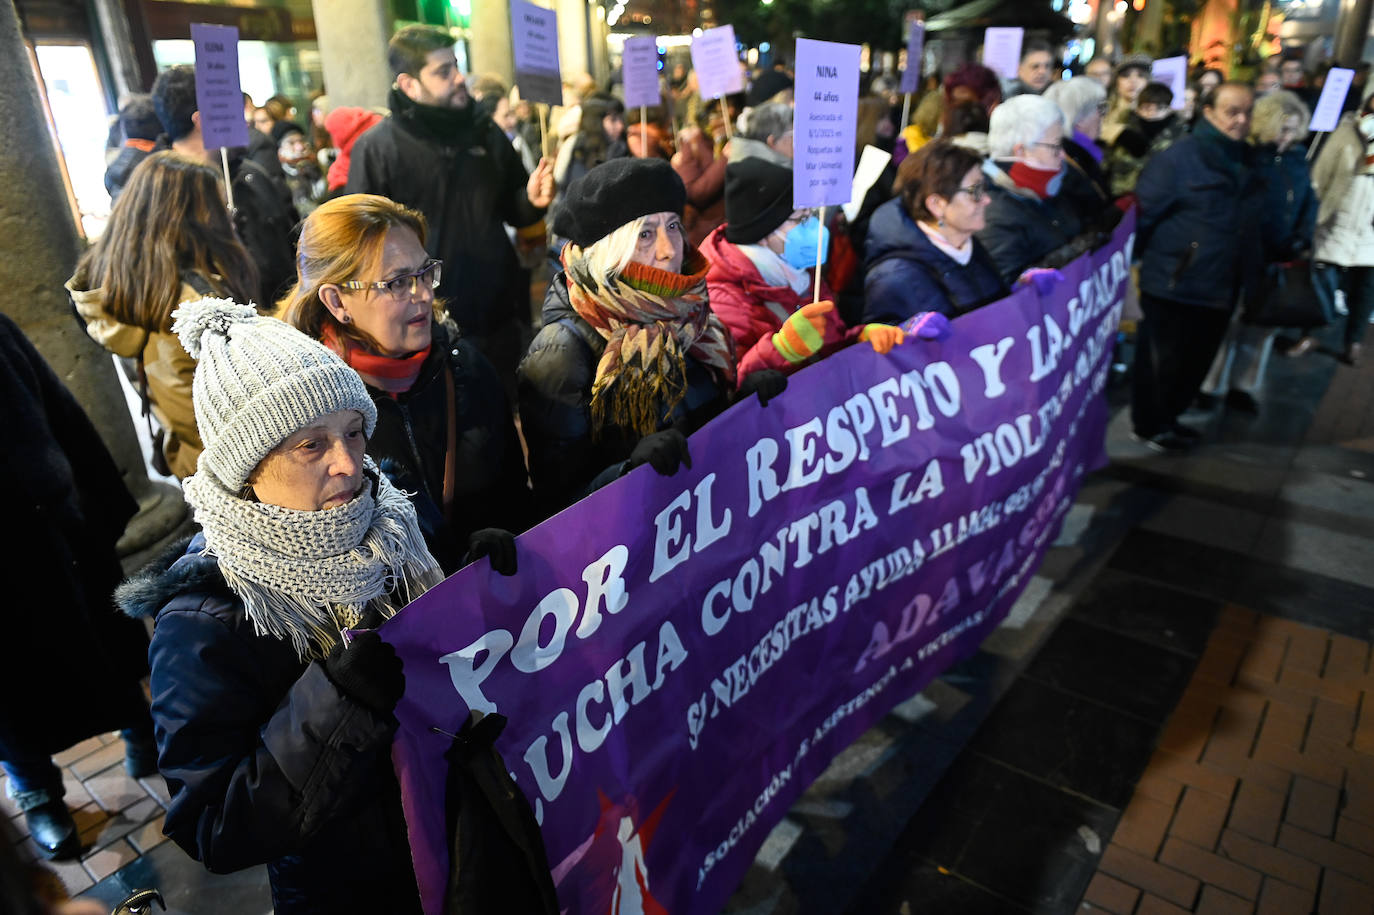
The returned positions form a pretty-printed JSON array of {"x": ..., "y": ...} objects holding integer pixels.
[{"x": 258, "y": 380}]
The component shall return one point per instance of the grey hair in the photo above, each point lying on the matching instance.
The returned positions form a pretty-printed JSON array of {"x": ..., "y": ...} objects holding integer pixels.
[
  {"x": 771, "y": 119},
  {"x": 1077, "y": 98},
  {"x": 1020, "y": 121},
  {"x": 1272, "y": 110}
]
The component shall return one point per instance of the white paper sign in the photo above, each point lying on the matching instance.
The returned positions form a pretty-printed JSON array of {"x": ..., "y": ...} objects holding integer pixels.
[
  {"x": 1334, "y": 91},
  {"x": 1002, "y": 50},
  {"x": 717, "y": 63},
  {"x": 639, "y": 69},
  {"x": 823, "y": 132},
  {"x": 534, "y": 37},
  {"x": 871, "y": 165},
  {"x": 1172, "y": 72}
]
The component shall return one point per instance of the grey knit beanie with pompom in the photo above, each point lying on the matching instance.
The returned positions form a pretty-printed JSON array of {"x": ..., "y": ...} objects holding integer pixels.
[{"x": 258, "y": 380}]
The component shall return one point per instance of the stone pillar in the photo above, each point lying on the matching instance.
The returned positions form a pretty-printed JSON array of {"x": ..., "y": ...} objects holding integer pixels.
[
  {"x": 573, "y": 58},
  {"x": 118, "y": 42},
  {"x": 352, "y": 35},
  {"x": 1151, "y": 24},
  {"x": 41, "y": 250},
  {"x": 489, "y": 45},
  {"x": 601, "y": 58},
  {"x": 1352, "y": 28}
]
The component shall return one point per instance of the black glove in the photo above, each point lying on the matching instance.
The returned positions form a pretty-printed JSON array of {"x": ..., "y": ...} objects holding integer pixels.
[
  {"x": 367, "y": 671},
  {"x": 767, "y": 383},
  {"x": 495, "y": 543},
  {"x": 663, "y": 451}
]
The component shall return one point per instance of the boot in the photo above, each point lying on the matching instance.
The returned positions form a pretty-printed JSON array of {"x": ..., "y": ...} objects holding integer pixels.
[
  {"x": 1352, "y": 354},
  {"x": 53, "y": 830}
]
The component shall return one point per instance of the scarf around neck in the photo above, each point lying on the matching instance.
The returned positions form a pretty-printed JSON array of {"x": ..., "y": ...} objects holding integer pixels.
[
  {"x": 651, "y": 320},
  {"x": 305, "y": 576},
  {"x": 384, "y": 373}
]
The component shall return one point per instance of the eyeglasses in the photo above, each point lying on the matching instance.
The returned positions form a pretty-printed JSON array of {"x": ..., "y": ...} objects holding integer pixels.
[
  {"x": 406, "y": 283},
  {"x": 976, "y": 192},
  {"x": 1057, "y": 147}
]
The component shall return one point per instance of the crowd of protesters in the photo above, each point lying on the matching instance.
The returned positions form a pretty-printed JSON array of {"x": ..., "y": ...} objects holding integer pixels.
[{"x": 342, "y": 368}]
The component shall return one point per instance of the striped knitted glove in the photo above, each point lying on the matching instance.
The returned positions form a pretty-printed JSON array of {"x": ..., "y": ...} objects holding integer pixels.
[
  {"x": 882, "y": 337},
  {"x": 803, "y": 334}
]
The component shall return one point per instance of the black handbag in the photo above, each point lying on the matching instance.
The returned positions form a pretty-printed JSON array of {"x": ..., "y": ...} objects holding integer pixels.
[{"x": 1287, "y": 299}]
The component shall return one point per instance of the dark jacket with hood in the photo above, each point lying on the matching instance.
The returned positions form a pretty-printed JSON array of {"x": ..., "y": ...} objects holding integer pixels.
[
  {"x": 75, "y": 663},
  {"x": 907, "y": 274},
  {"x": 265, "y": 219},
  {"x": 567, "y": 460},
  {"x": 491, "y": 488},
  {"x": 1201, "y": 209},
  {"x": 1022, "y": 231},
  {"x": 457, "y": 168},
  {"x": 267, "y": 762}
]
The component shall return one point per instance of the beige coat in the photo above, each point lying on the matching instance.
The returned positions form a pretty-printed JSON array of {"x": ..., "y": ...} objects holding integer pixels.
[
  {"x": 167, "y": 366},
  {"x": 1345, "y": 190}
]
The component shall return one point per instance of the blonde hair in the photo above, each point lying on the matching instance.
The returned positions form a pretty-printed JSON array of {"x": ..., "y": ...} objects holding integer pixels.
[
  {"x": 340, "y": 240},
  {"x": 1271, "y": 111}
]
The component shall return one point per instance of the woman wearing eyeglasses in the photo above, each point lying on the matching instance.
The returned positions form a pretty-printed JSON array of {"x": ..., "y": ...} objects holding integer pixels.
[
  {"x": 921, "y": 253},
  {"x": 762, "y": 276},
  {"x": 365, "y": 288},
  {"x": 1030, "y": 221}
]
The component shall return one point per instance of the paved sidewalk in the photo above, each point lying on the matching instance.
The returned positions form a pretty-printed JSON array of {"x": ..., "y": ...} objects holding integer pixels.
[{"x": 1260, "y": 797}]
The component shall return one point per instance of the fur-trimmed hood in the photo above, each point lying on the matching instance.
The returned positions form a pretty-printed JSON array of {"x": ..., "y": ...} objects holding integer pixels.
[{"x": 183, "y": 568}]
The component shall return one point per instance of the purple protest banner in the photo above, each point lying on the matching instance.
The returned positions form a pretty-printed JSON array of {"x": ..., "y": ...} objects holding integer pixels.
[
  {"x": 534, "y": 40},
  {"x": 716, "y": 62},
  {"x": 680, "y": 657},
  {"x": 639, "y": 68},
  {"x": 915, "y": 47},
  {"x": 1334, "y": 90},
  {"x": 827, "y": 105},
  {"x": 218, "y": 95}
]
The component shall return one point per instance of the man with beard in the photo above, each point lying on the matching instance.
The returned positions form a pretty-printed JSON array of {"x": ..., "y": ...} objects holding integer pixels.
[{"x": 440, "y": 154}]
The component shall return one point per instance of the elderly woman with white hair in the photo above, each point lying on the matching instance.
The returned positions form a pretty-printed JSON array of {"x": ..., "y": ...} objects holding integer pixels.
[
  {"x": 1277, "y": 127},
  {"x": 1029, "y": 223},
  {"x": 1083, "y": 102},
  {"x": 630, "y": 360}
]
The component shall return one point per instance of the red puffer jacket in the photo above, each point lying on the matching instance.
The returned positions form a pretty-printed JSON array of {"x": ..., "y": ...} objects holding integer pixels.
[{"x": 740, "y": 297}]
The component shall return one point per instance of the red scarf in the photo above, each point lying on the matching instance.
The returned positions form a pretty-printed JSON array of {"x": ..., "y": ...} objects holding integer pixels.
[
  {"x": 1036, "y": 180},
  {"x": 394, "y": 376}
]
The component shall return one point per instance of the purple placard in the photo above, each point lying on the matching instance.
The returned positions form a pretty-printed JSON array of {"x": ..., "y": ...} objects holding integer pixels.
[
  {"x": 219, "y": 98},
  {"x": 534, "y": 39},
  {"x": 1332, "y": 100},
  {"x": 915, "y": 47},
  {"x": 639, "y": 68},
  {"x": 1172, "y": 72},
  {"x": 826, "y": 108},
  {"x": 716, "y": 62},
  {"x": 679, "y": 657},
  {"x": 1002, "y": 50}
]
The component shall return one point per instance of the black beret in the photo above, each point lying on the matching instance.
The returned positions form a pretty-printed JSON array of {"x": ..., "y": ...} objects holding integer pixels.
[
  {"x": 615, "y": 193},
  {"x": 758, "y": 199},
  {"x": 281, "y": 128},
  {"x": 768, "y": 84}
]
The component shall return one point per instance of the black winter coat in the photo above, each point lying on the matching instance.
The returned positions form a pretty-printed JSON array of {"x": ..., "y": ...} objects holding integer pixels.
[
  {"x": 75, "y": 663},
  {"x": 491, "y": 487},
  {"x": 907, "y": 274},
  {"x": 467, "y": 181},
  {"x": 1290, "y": 201},
  {"x": 1022, "y": 231},
  {"x": 267, "y": 762},
  {"x": 1198, "y": 234},
  {"x": 265, "y": 219},
  {"x": 117, "y": 172},
  {"x": 567, "y": 461}
]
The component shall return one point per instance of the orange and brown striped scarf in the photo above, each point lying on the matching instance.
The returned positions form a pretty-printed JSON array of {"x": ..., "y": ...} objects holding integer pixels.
[{"x": 651, "y": 320}]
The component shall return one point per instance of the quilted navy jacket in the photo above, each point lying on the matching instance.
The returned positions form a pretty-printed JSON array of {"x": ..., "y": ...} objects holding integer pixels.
[{"x": 266, "y": 761}]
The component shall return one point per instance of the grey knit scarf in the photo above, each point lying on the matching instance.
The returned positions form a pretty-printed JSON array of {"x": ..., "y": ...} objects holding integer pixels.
[{"x": 305, "y": 576}]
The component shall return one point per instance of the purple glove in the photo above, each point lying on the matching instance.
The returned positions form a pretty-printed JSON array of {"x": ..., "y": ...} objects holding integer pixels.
[
  {"x": 928, "y": 325},
  {"x": 1044, "y": 279}
]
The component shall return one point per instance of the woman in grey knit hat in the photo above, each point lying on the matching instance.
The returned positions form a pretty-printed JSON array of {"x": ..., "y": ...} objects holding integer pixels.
[{"x": 274, "y": 732}]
